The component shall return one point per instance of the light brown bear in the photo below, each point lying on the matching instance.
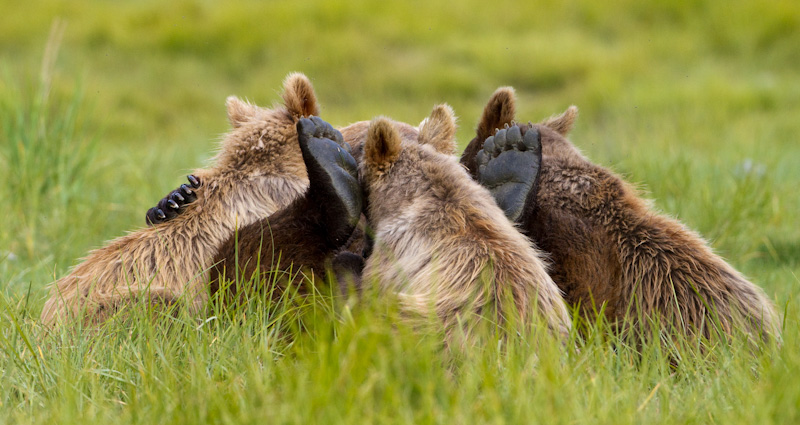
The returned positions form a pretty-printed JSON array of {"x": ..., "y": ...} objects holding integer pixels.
[
  {"x": 258, "y": 171},
  {"x": 441, "y": 243},
  {"x": 610, "y": 249}
]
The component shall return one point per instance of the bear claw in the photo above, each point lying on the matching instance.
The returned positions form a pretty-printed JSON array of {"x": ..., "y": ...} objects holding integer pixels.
[
  {"x": 170, "y": 206},
  {"x": 508, "y": 165}
]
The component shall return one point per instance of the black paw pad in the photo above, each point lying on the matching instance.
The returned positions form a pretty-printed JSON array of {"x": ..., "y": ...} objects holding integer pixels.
[
  {"x": 508, "y": 165},
  {"x": 332, "y": 174}
]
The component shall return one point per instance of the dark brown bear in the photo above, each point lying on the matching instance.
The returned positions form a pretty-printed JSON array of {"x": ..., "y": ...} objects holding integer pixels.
[
  {"x": 304, "y": 236},
  {"x": 610, "y": 250}
]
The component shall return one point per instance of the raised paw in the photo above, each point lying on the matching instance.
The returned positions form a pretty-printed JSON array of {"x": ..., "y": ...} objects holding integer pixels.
[
  {"x": 332, "y": 175},
  {"x": 173, "y": 204},
  {"x": 508, "y": 165}
]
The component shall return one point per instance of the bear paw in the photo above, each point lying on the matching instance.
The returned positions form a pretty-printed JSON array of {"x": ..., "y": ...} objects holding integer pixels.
[
  {"x": 508, "y": 165},
  {"x": 171, "y": 205},
  {"x": 333, "y": 177}
]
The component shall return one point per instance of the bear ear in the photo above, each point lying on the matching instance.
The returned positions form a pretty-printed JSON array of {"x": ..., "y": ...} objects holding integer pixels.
[
  {"x": 500, "y": 111},
  {"x": 382, "y": 147},
  {"x": 299, "y": 97},
  {"x": 239, "y": 111},
  {"x": 563, "y": 123},
  {"x": 439, "y": 129}
]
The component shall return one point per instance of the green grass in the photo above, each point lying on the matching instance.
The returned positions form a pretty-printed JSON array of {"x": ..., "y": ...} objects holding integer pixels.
[{"x": 694, "y": 101}]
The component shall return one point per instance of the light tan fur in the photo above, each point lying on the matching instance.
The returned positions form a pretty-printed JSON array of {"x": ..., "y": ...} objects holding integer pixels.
[
  {"x": 258, "y": 170},
  {"x": 439, "y": 130},
  {"x": 441, "y": 242},
  {"x": 564, "y": 122}
]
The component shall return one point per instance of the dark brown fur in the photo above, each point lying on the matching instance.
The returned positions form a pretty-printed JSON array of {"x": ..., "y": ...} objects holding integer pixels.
[
  {"x": 611, "y": 250},
  {"x": 293, "y": 239},
  {"x": 294, "y": 242}
]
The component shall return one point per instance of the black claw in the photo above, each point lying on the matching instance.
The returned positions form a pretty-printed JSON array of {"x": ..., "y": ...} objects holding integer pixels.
[
  {"x": 154, "y": 216},
  {"x": 173, "y": 204},
  {"x": 188, "y": 194}
]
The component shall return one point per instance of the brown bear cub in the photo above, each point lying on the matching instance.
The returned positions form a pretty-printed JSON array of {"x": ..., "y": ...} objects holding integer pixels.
[
  {"x": 441, "y": 243},
  {"x": 610, "y": 250},
  {"x": 307, "y": 234},
  {"x": 258, "y": 171}
]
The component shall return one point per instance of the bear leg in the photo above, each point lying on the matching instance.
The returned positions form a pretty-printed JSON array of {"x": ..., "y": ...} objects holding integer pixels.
[
  {"x": 307, "y": 233},
  {"x": 333, "y": 190}
]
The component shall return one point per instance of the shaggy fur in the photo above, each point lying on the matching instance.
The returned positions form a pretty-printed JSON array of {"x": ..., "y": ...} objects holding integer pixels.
[
  {"x": 611, "y": 250},
  {"x": 498, "y": 112},
  {"x": 293, "y": 242},
  {"x": 295, "y": 238},
  {"x": 258, "y": 171},
  {"x": 306, "y": 234},
  {"x": 441, "y": 242}
]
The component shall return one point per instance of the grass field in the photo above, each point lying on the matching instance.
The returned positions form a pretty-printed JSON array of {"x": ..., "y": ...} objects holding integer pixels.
[{"x": 105, "y": 106}]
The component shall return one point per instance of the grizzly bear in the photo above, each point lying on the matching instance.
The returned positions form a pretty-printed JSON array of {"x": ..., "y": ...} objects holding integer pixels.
[
  {"x": 610, "y": 250},
  {"x": 259, "y": 170},
  {"x": 441, "y": 243},
  {"x": 306, "y": 235}
]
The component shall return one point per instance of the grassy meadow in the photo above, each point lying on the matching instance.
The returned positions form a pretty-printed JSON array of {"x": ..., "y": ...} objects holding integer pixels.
[{"x": 105, "y": 106}]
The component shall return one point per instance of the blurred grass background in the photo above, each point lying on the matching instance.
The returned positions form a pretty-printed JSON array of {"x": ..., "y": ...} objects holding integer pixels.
[{"x": 697, "y": 102}]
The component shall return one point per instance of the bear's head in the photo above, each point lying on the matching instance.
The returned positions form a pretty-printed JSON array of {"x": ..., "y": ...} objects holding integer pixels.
[
  {"x": 264, "y": 140},
  {"x": 398, "y": 164},
  {"x": 259, "y": 168}
]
